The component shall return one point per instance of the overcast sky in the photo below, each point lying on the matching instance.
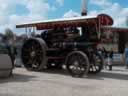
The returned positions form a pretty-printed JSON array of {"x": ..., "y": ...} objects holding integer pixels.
[{"x": 13, "y": 12}]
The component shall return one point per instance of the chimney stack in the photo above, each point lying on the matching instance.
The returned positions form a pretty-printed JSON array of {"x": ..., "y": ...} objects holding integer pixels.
[{"x": 84, "y": 8}]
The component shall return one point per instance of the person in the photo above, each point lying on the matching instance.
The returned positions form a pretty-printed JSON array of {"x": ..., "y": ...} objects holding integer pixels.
[
  {"x": 11, "y": 51},
  {"x": 99, "y": 50},
  {"x": 108, "y": 57},
  {"x": 104, "y": 54},
  {"x": 104, "y": 51},
  {"x": 111, "y": 57},
  {"x": 126, "y": 55},
  {"x": 109, "y": 62}
]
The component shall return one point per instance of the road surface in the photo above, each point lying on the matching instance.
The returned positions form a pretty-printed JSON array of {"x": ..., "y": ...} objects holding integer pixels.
[{"x": 59, "y": 83}]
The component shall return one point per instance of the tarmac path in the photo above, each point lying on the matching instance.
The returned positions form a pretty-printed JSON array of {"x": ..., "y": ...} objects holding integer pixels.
[{"x": 60, "y": 83}]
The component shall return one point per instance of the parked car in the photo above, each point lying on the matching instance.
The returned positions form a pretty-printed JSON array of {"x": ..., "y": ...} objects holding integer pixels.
[{"x": 6, "y": 65}]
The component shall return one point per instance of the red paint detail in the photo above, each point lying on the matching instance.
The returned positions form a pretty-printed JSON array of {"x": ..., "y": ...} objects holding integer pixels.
[
  {"x": 113, "y": 29},
  {"x": 105, "y": 20}
]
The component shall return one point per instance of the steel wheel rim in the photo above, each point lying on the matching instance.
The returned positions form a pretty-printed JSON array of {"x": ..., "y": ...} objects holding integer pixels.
[
  {"x": 32, "y": 54},
  {"x": 96, "y": 64},
  {"x": 77, "y": 64}
]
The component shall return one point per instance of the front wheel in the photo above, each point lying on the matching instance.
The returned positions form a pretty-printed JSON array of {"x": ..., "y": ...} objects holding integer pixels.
[
  {"x": 77, "y": 63},
  {"x": 96, "y": 63}
]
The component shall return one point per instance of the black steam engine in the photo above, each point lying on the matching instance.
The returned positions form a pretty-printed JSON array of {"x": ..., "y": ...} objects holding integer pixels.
[{"x": 70, "y": 42}]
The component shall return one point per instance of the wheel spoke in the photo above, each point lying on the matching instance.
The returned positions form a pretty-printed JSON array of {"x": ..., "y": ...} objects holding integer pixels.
[
  {"x": 96, "y": 65},
  {"x": 33, "y": 54},
  {"x": 77, "y": 65}
]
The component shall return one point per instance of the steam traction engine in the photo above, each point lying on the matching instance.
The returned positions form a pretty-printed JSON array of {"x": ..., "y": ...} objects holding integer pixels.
[{"x": 71, "y": 42}]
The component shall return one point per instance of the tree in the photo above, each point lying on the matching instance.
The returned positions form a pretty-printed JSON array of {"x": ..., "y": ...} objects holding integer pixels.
[{"x": 9, "y": 34}]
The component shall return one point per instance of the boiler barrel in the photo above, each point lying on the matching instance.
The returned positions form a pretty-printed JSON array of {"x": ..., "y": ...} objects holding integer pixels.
[{"x": 77, "y": 44}]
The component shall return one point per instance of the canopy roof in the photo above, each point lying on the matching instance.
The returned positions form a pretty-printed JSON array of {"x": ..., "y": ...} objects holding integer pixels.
[
  {"x": 77, "y": 21},
  {"x": 101, "y": 19}
]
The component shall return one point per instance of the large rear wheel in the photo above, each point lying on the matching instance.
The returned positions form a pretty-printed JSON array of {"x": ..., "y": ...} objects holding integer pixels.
[
  {"x": 77, "y": 63},
  {"x": 34, "y": 54}
]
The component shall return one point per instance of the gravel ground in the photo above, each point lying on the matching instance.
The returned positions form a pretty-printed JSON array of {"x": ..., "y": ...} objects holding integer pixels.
[{"x": 59, "y": 83}]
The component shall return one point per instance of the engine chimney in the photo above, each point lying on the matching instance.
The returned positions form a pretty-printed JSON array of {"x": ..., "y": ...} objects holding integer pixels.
[{"x": 84, "y": 8}]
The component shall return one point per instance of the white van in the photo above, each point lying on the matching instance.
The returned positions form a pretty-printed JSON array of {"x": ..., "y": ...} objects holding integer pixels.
[{"x": 117, "y": 59}]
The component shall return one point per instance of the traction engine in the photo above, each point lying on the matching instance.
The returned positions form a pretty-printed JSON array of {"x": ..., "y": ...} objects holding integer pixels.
[{"x": 70, "y": 42}]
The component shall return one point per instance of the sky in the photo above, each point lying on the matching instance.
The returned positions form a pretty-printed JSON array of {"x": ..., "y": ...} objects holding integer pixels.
[{"x": 14, "y": 12}]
